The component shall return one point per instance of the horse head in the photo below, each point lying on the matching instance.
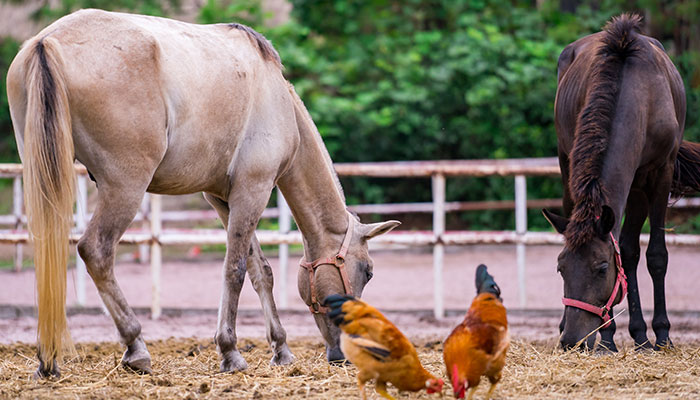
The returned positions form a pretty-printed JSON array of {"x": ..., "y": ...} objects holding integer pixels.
[
  {"x": 590, "y": 272},
  {"x": 345, "y": 273}
]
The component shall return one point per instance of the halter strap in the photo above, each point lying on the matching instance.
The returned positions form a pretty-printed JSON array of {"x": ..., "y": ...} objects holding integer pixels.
[
  {"x": 621, "y": 282},
  {"x": 337, "y": 261}
]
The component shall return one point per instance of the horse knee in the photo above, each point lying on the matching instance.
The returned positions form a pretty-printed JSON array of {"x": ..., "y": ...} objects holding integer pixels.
[
  {"x": 629, "y": 250},
  {"x": 657, "y": 261},
  {"x": 235, "y": 274}
]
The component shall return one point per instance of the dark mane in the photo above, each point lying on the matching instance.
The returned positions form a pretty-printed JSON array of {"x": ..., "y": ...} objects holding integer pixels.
[
  {"x": 618, "y": 42},
  {"x": 267, "y": 52}
]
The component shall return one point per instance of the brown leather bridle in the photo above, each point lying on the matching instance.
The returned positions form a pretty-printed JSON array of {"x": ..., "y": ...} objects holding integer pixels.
[
  {"x": 337, "y": 261},
  {"x": 620, "y": 283}
]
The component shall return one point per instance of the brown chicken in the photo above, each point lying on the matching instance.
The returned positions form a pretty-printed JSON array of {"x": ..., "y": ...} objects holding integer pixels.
[
  {"x": 378, "y": 349},
  {"x": 478, "y": 345}
]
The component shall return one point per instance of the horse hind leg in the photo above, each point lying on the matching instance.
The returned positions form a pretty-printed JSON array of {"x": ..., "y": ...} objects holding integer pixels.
[
  {"x": 116, "y": 208},
  {"x": 260, "y": 275}
]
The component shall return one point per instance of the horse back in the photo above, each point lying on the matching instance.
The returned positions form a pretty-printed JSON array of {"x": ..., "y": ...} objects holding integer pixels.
[
  {"x": 650, "y": 89},
  {"x": 157, "y": 92}
]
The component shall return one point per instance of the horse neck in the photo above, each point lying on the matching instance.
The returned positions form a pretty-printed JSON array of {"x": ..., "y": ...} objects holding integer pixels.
[{"x": 311, "y": 188}]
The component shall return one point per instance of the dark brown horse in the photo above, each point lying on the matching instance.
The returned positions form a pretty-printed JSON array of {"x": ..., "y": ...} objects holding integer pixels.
[{"x": 619, "y": 113}]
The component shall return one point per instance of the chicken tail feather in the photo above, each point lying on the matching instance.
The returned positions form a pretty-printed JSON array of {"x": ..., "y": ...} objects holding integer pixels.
[
  {"x": 485, "y": 282},
  {"x": 335, "y": 303}
]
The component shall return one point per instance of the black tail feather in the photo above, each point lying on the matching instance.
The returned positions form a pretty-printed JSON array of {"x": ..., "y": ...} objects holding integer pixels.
[
  {"x": 335, "y": 303},
  {"x": 485, "y": 282}
]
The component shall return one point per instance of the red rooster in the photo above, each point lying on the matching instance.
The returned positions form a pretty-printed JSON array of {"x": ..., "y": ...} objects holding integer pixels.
[{"x": 478, "y": 345}]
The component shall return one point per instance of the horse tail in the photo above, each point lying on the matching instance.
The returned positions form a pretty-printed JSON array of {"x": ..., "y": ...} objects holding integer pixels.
[
  {"x": 686, "y": 174},
  {"x": 619, "y": 41},
  {"x": 49, "y": 185}
]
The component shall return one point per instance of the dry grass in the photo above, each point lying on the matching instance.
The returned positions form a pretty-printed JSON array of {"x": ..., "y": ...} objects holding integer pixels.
[{"x": 189, "y": 369}]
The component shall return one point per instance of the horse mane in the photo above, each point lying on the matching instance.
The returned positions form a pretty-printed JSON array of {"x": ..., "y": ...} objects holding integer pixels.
[
  {"x": 592, "y": 135},
  {"x": 267, "y": 52},
  {"x": 309, "y": 124}
]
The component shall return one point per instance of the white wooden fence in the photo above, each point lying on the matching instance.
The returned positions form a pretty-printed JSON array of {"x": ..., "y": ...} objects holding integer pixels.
[{"x": 156, "y": 237}]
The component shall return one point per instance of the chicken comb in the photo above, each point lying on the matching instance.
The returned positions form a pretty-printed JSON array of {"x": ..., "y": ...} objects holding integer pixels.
[{"x": 485, "y": 282}]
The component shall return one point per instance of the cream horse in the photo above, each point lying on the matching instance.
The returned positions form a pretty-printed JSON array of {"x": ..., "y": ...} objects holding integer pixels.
[{"x": 151, "y": 104}]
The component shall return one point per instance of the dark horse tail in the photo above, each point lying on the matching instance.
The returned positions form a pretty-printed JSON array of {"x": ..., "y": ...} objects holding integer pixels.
[
  {"x": 619, "y": 41},
  {"x": 686, "y": 174}
]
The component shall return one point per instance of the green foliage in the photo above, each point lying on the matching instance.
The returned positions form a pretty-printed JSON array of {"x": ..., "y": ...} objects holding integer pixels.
[
  {"x": 51, "y": 10},
  {"x": 8, "y": 153}
]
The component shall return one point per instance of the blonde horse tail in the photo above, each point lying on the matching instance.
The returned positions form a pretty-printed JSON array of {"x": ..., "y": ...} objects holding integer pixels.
[{"x": 48, "y": 179}]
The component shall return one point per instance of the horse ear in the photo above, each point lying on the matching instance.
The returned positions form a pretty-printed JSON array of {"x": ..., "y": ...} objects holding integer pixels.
[
  {"x": 380, "y": 228},
  {"x": 557, "y": 222},
  {"x": 606, "y": 221}
]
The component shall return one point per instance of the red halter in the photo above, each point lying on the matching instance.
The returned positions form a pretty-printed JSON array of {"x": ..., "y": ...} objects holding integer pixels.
[
  {"x": 337, "y": 261},
  {"x": 604, "y": 311}
]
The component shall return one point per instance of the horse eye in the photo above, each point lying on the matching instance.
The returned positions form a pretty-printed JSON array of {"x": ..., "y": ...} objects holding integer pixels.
[
  {"x": 602, "y": 267},
  {"x": 369, "y": 275},
  {"x": 559, "y": 268}
]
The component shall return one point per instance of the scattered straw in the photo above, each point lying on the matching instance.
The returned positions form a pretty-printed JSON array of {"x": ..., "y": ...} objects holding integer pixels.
[{"x": 534, "y": 370}]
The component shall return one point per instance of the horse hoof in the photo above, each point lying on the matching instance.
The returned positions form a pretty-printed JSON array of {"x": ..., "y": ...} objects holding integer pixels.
[
  {"x": 606, "y": 348},
  {"x": 282, "y": 357},
  {"x": 663, "y": 344},
  {"x": 334, "y": 355},
  {"x": 137, "y": 358},
  {"x": 233, "y": 362},
  {"x": 644, "y": 346},
  {"x": 141, "y": 366},
  {"x": 44, "y": 371}
]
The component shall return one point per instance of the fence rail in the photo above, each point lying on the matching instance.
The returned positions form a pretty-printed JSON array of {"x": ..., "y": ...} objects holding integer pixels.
[{"x": 154, "y": 236}]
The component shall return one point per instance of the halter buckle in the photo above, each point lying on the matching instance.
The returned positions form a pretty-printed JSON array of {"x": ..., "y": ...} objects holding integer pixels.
[{"x": 339, "y": 261}]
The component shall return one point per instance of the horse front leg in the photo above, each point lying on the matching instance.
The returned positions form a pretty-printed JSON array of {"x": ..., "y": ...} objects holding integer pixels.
[
  {"x": 607, "y": 341},
  {"x": 635, "y": 214},
  {"x": 657, "y": 256},
  {"x": 245, "y": 207},
  {"x": 116, "y": 208},
  {"x": 260, "y": 275}
]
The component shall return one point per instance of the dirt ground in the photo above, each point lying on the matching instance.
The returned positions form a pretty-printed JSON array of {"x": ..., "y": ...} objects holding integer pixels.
[{"x": 186, "y": 365}]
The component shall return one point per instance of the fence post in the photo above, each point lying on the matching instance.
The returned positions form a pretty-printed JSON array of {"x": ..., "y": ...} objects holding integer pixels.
[
  {"x": 285, "y": 224},
  {"x": 521, "y": 230},
  {"x": 438, "y": 185},
  {"x": 80, "y": 223},
  {"x": 17, "y": 201},
  {"x": 156, "y": 261},
  {"x": 144, "y": 249}
]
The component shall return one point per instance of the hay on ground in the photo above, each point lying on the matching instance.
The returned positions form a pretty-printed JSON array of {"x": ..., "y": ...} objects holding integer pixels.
[{"x": 188, "y": 369}]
